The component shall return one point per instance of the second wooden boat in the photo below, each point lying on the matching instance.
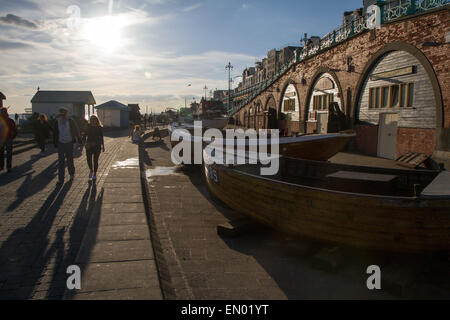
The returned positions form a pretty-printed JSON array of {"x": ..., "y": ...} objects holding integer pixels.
[{"x": 309, "y": 147}]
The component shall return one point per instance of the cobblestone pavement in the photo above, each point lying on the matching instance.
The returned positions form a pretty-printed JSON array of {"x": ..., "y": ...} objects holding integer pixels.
[
  {"x": 41, "y": 224},
  {"x": 196, "y": 263}
]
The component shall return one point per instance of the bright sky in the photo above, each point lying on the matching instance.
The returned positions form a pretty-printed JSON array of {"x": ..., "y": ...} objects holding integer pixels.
[{"x": 146, "y": 51}]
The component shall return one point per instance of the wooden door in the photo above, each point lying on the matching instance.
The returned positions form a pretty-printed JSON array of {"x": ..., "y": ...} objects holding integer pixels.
[
  {"x": 387, "y": 136},
  {"x": 322, "y": 123}
]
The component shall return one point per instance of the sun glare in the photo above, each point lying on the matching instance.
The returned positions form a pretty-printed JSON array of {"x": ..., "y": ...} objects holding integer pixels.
[{"x": 105, "y": 32}]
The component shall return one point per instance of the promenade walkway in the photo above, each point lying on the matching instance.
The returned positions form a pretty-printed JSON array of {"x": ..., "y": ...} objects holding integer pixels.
[{"x": 102, "y": 227}]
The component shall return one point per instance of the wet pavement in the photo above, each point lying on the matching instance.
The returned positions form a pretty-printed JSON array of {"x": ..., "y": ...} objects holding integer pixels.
[{"x": 197, "y": 263}]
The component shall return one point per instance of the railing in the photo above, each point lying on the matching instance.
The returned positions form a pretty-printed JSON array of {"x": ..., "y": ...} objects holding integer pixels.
[{"x": 390, "y": 11}]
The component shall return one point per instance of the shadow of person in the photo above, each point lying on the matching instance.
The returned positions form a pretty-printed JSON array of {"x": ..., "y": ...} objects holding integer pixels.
[
  {"x": 18, "y": 171},
  {"x": 21, "y": 255},
  {"x": 68, "y": 256},
  {"x": 32, "y": 185},
  {"x": 80, "y": 242}
]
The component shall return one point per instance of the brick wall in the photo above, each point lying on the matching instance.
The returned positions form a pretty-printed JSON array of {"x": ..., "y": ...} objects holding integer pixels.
[
  {"x": 415, "y": 140},
  {"x": 416, "y": 30}
]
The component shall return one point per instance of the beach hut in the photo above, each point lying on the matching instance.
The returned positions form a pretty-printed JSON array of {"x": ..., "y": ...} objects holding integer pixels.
[
  {"x": 113, "y": 114},
  {"x": 49, "y": 102}
]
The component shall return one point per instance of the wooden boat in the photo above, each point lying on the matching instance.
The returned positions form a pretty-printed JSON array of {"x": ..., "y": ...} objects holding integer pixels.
[
  {"x": 309, "y": 147},
  {"x": 375, "y": 208}
]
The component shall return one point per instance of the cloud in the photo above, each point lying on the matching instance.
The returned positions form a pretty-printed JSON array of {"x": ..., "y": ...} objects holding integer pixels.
[
  {"x": 18, "y": 21},
  {"x": 11, "y": 45},
  {"x": 193, "y": 7},
  {"x": 8, "y": 5}
]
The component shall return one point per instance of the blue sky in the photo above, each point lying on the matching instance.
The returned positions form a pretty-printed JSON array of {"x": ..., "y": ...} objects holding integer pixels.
[{"x": 146, "y": 51}]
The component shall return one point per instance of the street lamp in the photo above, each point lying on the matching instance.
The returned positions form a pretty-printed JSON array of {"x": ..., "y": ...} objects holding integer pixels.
[{"x": 229, "y": 67}]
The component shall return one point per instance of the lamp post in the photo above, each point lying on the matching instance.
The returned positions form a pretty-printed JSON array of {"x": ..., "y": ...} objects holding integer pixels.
[
  {"x": 205, "y": 88},
  {"x": 229, "y": 67}
]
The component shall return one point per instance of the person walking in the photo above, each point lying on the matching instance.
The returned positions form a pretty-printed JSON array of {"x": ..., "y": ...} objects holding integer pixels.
[
  {"x": 8, "y": 131},
  {"x": 130, "y": 128},
  {"x": 66, "y": 132},
  {"x": 42, "y": 132},
  {"x": 136, "y": 138},
  {"x": 94, "y": 145}
]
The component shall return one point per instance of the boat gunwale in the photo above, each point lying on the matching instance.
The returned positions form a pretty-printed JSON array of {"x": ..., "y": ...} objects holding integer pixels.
[{"x": 356, "y": 195}]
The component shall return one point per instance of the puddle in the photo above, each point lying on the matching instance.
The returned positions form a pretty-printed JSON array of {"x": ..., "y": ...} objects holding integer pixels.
[
  {"x": 161, "y": 171},
  {"x": 126, "y": 164}
]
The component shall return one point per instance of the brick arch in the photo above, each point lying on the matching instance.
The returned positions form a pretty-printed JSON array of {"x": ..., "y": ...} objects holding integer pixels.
[
  {"x": 285, "y": 85},
  {"x": 317, "y": 75},
  {"x": 272, "y": 118},
  {"x": 258, "y": 106},
  {"x": 442, "y": 134},
  {"x": 260, "y": 121},
  {"x": 266, "y": 105}
]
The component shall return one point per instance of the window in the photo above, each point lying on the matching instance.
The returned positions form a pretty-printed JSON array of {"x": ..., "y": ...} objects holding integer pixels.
[
  {"x": 322, "y": 102},
  {"x": 289, "y": 105},
  {"x": 384, "y": 97},
  {"x": 393, "y": 96}
]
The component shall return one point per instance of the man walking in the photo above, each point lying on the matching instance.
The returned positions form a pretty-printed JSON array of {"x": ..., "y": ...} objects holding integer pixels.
[
  {"x": 8, "y": 131},
  {"x": 66, "y": 132}
]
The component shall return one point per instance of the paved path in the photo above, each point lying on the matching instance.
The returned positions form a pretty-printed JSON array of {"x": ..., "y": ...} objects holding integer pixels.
[
  {"x": 42, "y": 226},
  {"x": 196, "y": 263}
]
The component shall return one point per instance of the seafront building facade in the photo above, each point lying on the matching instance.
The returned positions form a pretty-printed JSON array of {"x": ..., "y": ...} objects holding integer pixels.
[{"x": 391, "y": 83}]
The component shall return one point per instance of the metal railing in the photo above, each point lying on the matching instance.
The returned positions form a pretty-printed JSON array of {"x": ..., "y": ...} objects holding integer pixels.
[{"x": 390, "y": 11}]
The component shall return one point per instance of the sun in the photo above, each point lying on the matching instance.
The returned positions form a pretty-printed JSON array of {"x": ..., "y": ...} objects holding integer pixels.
[{"x": 105, "y": 32}]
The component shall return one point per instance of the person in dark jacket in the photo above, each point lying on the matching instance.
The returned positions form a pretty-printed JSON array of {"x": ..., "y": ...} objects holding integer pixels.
[
  {"x": 8, "y": 131},
  {"x": 42, "y": 132},
  {"x": 65, "y": 133},
  {"x": 94, "y": 145}
]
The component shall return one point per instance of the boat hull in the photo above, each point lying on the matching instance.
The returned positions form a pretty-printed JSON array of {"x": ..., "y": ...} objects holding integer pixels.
[
  {"x": 373, "y": 222},
  {"x": 317, "y": 149}
]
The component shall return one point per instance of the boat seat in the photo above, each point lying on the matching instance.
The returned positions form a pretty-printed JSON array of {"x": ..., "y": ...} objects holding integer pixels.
[
  {"x": 362, "y": 182},
  {"x": 439, "y": 188},
  {"x": 363, "y": 176}
]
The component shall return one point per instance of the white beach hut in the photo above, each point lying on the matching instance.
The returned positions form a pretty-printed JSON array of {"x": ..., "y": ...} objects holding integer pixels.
[{"x": 113, "y": 114}]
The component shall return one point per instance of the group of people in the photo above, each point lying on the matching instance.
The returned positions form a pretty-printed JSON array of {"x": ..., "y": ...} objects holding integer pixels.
[{"x": 66, "y": 134}]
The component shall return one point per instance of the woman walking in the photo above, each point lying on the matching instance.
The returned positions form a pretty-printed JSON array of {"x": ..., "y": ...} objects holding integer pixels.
[
  {"x": 94, "y": 145},
  {"x": 42, "y": 132}
]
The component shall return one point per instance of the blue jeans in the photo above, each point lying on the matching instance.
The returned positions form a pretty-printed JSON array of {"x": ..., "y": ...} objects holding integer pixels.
[
  {"x": 65, "y": 153},
  {"x": 9, "y": 147}
]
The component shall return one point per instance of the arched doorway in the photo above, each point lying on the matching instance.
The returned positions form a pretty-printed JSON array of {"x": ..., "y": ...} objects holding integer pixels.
[
  {"x": 396, "y": 106},
  {"x": 323, "y": 94},
  {"x": 259, "y": 116},
  {"x": 251, "y": 117},
  {"x": 290, "y": 107},
  {"x": 272, "y": 119}
]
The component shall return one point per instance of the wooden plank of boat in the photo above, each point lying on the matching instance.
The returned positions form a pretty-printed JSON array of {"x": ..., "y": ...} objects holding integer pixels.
[
  {"x": 363, "y": 176},
  {"x": 412, "y": 160},
  {"x": 439, "y": 188},
  {"x": 388, "y": 223}
]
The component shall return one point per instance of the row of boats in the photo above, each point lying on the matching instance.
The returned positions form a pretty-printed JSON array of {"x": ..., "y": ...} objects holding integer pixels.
[{"x": 370, "y": 207}]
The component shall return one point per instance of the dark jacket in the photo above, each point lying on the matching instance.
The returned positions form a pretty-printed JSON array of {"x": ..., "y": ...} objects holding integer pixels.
[
  {"x": 42, "y": 130},
  {"x": 93, "y": 137},
  {"x": 74, "y": 131}
]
